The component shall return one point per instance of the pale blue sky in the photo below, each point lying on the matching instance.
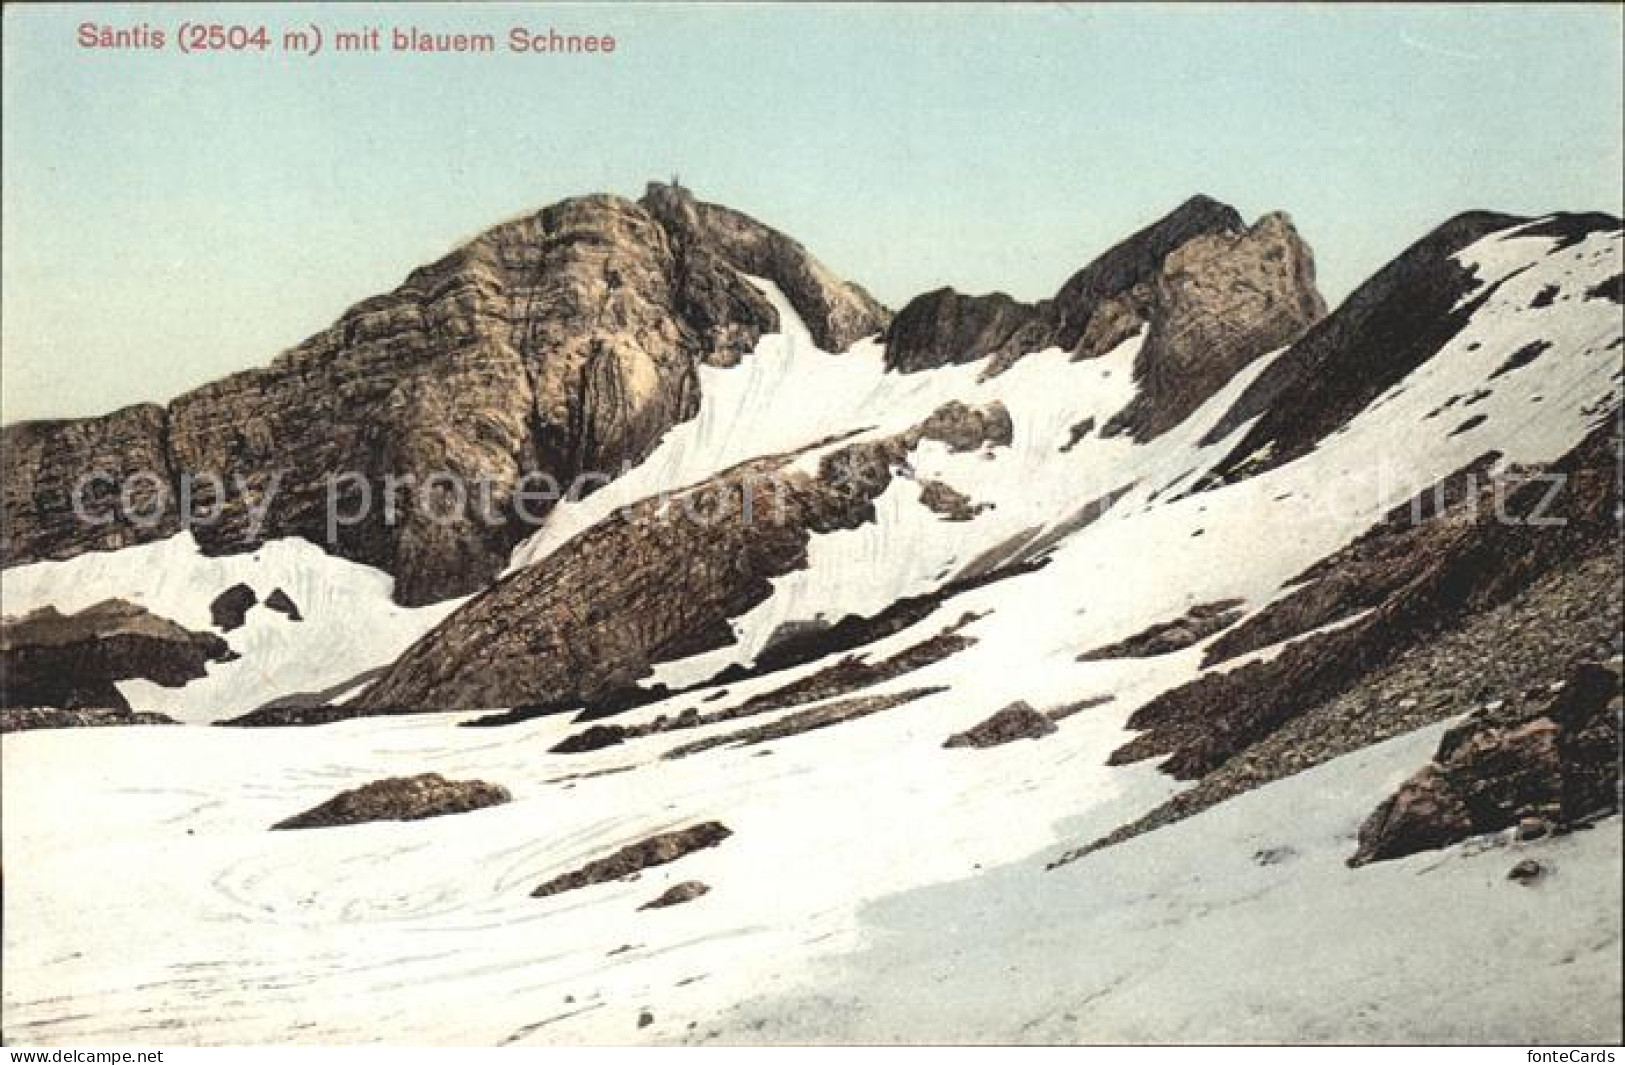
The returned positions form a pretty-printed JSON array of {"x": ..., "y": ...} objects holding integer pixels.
[{"x": 171, "y": 217}]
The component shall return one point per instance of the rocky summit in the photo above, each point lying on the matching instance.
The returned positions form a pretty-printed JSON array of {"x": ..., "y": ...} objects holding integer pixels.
[
  {"x": 562, "y": 343},
  {"x": 1096, "y": 647}
]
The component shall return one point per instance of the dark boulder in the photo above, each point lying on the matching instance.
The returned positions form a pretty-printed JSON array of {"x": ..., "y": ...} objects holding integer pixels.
[
  {"x": 400, "y": 799},
  {"x": 230, "y": 608},
  {"x": 282, "y": 603}
]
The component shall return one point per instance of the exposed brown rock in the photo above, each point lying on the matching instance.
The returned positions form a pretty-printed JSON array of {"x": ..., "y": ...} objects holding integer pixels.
[
  {"x": 823, "y": 716},
  {"x": 635, "y": 857},
  {"x": 1220, "y": 301},
  {"x": 1507, "y": 657},
  {"x": 230, "y": 608},
  {"x": 299, "y": 714},
  {"x": 1078, "y": 433},
  {"x": 655, "y": 581},
  {"x": 400, "y": 799},
  {"x": 1197, "y": 624},
  {"x": 1018, "y": 721},
  {"x": 50, "y": 659},
  {"x": 44, "y": 463},
  {"x": 282, "y": 603},
  {"x": 850, "y": 674},
  {"x": 837, "y": 313},
  {"x": 556, "y": 345},
  {"x": 1386, "y": 328},
  {"x": 1097, "y": 308},
  {"x": 1526, "y": 871},
  {"x": 677, "y": 894},
  {"x": 1466, "y": 559},
  {"x": 1211, "y": 293},
  {"x": 944, "y": 328},
  {"x": 948, "y": 502},
  {"x": 1558, "y": 768},
  {"x": 27, "y": 718}
]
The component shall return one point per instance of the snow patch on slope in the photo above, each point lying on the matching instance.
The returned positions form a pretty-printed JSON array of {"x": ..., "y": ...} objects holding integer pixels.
[{"x": 350, "y": 622}]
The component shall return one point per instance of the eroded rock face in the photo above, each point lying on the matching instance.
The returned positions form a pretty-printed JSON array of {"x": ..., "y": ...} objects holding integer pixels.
[
  {"x": 44, "y": 464},
  {"x": 1555, "y": 769},
  {"x": 946, "y": 328},
  {"x": 634, "y": 857},
  {"x": 837, "y": 313},
  {"x": 1220, "y": 301},
  {"x": 656, "y": 581},
  {"x": 50, "y": 659},
  {"x": 1211, "y": 294},
  {"x": 554, "y": 346},
  {"x": 400, "y": 799},
  {"x": 1196, "y": 625}
]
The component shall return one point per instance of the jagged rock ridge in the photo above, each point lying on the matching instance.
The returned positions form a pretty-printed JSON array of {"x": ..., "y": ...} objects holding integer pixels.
[{"x": 1212, "y": 293}]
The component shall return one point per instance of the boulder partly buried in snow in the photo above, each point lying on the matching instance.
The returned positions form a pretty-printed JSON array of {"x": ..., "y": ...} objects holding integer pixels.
[
  {"x": 1018, "y": 721},
  {"x": 400, "y": 799},
  {"x": 677, "y": 894}
]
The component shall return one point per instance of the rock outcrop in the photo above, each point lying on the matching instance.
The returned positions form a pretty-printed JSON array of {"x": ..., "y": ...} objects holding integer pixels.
[
  {"x": 1557, "y": 769},
  {"x": 1164, "y": 638},
  {"x": 400, "y": 799},
  {"x": 29, "y": 718},
  {"x": 659, "y": 580},
  {"x": 1419, "y": 578},
  {"x": 677, "y": 894},
  {"x": 1220, "y": 301},
  {"x": 72, "y": 661},
  {"x": 837, "y": 313},
  {"x": 635, "y": 857},
  {"x": 229, "y": 609},
  {"x": 1211, "y": 294},
  {"x": 1018, "y": 721},
  {"x": 283, "y": 604},
  {"x": 1386, "y": 328},
  {"x": 429, "y": 429},
  {"x": 85, "y": 484}
]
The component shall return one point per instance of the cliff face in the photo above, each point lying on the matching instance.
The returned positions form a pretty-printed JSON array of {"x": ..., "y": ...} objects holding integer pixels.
[
  {"x": 1211, "y": 294},
  {"x": 837, "y": 313},
  {"x": 560, "y": 344},
  {"x": 42, "y": 465}
]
